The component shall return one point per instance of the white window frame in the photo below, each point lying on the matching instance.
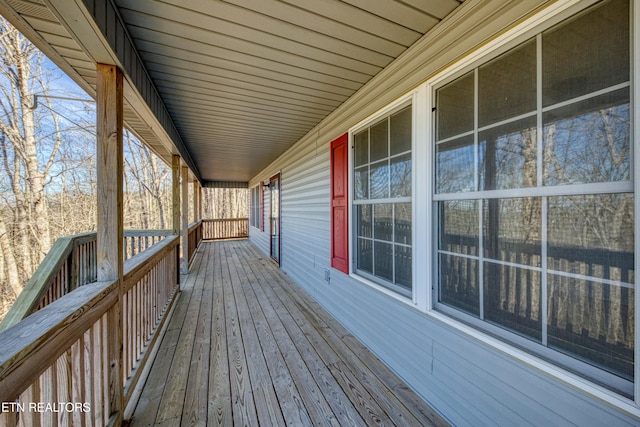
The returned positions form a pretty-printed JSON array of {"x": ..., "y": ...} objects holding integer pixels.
[
  {"x": 410, "y": 98},
  {"x": 254, "y": 219},
  {"x": 546, "y": 18}
]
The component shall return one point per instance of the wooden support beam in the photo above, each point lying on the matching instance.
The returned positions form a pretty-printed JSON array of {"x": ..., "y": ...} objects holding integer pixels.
[
  {"x": 184, "y": 229},
  {"x": 196, "y": 201},
  {"x": 110, "y": 228},
  {"x": 200, "y": 201},
  {"x": 175, "y": 186},
  {"x": 109, "y": 172}
]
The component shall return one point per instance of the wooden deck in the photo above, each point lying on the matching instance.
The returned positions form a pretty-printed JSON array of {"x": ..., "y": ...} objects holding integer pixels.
[{"x": 247, "y": 347}]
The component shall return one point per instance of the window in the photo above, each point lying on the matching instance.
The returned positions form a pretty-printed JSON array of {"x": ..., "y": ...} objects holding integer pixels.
[
  {"x": 256, "y": 196},
  {"x": 533, "y": 196},
  {"x": 382, "y": 201}
]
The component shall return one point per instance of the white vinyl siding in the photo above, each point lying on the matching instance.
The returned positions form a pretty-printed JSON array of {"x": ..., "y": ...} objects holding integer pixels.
[{"x": 470, "y": 376}]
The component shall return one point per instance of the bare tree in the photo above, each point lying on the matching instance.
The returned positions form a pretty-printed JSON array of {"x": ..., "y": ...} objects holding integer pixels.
[
  {"x": 29, "y": 144},
  {"x": 42, "y": 153},
  {"x": 220, "y": 203},
  {"x": 149, "y": 191},
  {"x": 48, "y": 171}
]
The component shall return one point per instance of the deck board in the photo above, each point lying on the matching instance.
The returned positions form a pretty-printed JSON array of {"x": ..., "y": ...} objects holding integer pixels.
[
  {"x": 293, "y": 410},
  {"x": 219, "y": 410},
  {"x": 247, "y": 346},
  {"x": 196, "y": 397},
  {"x": 264, "y": 395}
]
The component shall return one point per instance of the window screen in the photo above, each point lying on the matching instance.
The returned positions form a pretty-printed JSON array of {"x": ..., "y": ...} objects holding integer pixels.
[
  {"x": 534, "y": 202},
  {"x": 382, "y": 201}
]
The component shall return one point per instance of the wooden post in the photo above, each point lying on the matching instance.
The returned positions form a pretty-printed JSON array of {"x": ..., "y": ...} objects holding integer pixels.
[
  {"x": 199, "y": 201},
  {"x": 175, "y": 185},
  {"x": 196, "y": 200},
  {"x": 110, "y": 229},
  {"x": 184, "y": 234}
]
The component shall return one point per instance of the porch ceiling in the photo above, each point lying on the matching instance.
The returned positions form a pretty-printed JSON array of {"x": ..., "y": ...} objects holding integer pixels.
[{"x": 242, "y": 80}]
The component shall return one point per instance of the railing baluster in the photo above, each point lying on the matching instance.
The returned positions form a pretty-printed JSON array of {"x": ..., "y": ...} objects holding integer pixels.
[
  {"x": 63, "y": 386},
  {"x": 77, "y": 383},
  {"x": 126, "y": 330},
  {"x": 29, "y": 396},
  {"x": 96, "y": 372},
  {"x": 112, "y": 361},
  {"x": 140, "y": 315},
  {"x": 87, "y": 373},
  {"x": 9, "y": 419},
  {"x": 48, "y": 392}
]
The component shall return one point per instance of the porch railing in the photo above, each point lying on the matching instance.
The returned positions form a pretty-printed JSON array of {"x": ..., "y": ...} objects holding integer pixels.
[
  {"x": 229, "y": 228},
  {"x": 136, "y": 241},
  {"x": 69, "y": 264},
  {"x": 84, "y": 353},
  {"x": 195, "y": 237}
]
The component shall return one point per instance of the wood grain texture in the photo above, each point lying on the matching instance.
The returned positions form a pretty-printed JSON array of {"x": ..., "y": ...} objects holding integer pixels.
[
  {"x": 264, "y": 395},
  {"x": 110, "y": 228},
  {"x": 184, "y": 224},
  {"x": 219, "y": 410},
  {"x": 196, "y": 201},
  {"x": 196, "y": 396},
  {"x": 48, "y": 333},
  {"x": 243, "y": 406},
  {"x": 246, "y": 346},
  {"x": 293, "y": 409},
  {"x": 175, "y": 192},
  {"x": 109, "y": 165}
]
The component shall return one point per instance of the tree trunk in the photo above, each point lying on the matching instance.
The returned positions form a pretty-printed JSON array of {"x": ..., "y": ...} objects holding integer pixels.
[{"x": 13, "y": 278}]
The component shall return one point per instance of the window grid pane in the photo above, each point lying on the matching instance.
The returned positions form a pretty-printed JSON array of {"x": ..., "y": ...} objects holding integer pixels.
[
  {"x": 506, "y": 260},
  {"x": 382, "y": 201},
  {"x": 508, "y": 156},
  {"x": 588, "y": 141},
  {"x": 255, "y": 206},
  {"x": 510, "y": 80},
  {"x": 455, "y": 165}
]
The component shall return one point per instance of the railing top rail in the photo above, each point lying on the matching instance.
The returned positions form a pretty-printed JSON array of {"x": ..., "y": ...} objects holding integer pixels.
[
  {"x": 224, "y": 219},
  {"x": 140, "y": 232},
  {"x": 194, "y": 225},
  {"x": 81, "y": 238}
]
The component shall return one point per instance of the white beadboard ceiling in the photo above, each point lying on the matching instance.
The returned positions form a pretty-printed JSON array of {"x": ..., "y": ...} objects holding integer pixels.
[{"x": 242, "y": 80}]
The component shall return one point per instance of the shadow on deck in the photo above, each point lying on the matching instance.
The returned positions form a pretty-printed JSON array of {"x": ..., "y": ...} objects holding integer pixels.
[{"x": 246, "y": 346}]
